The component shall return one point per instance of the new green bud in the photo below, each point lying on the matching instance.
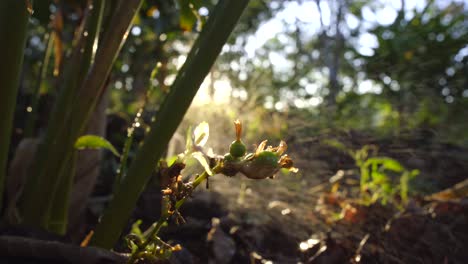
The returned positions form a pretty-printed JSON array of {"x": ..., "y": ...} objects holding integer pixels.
[
  {"x": 228, "y": 157},
  {"x": 237, "y": 149},
  {"x": 266, "y": 158}
]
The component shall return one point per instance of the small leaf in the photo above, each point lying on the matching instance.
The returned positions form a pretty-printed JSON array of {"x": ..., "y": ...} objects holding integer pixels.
[
  {"x": 188, "y": 140},
  {"x": 335, "y": 144},
  {"x": 387, "y": 163},
  {"x": 392, "y": 165},
  {"x": 95, "y": 142},
  {"x": 414, "y": 173},
  {"x": 379, "y": 178},
  {"x": 199, "y": 156},
  {"x": 201, "y": 134},
  {"x": 172, "y": 159},
  {"x": 133, "y": 247},
  {"x": 387, "y": 188},
  {"x": 136, "y": 228}
]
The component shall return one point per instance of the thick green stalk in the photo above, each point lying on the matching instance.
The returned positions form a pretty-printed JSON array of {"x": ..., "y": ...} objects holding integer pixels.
[
  {"x": 38, "y": 202},
  {"x": 13, "y": 23},
  {"x": 55, "y": 152},
  {"x": 199, "y": 62},
  {"x": 47, "y": 156},
  {"x": 31, "y": 122},
  {"x": 60, "y": 203},
  {"x": 59, "y": 214}
]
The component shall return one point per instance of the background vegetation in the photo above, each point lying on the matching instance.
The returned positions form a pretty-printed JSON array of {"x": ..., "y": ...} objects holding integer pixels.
[{"x": 370, "y": 95}]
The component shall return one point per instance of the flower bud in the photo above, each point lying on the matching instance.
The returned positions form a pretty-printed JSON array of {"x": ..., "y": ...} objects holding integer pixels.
[{"x": 237, "y": 149}]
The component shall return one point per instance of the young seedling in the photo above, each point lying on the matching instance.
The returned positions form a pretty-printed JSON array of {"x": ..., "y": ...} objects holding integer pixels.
[{"x": 382, "y": 179}]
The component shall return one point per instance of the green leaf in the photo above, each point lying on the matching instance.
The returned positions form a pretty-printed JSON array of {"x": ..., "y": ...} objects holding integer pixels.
[
  {"x": 188, "y": 140},
  {"x": 392, "y": 165},
  {"x": 136, "y": 228},
  {"x": 133, "y": 247},
  {"x": 95, "y": 142},
  {"x": 335, "y": 144},
  {"x": 172, "y": 159},
  {"x": 387, "y": 163},
  {"x": 379, "y": 178},
  {"x": 201, "y": 134},
  {"x": 201, "y": 158},
  {"x": 414, "y": 173},
  {"x": 171, "y": 112}
]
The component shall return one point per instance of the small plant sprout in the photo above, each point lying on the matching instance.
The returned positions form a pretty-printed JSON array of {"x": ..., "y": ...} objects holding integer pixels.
[
  {"x": 264, "y": 163},
  {"x": 382, "y": 179},
  {"x": 237, "y": 148}
]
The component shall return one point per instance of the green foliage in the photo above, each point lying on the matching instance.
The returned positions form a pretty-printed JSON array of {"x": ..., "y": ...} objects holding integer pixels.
[
  {"x": 81, "y": 81},
  {"x": 382, "y": 179},
  {"x": 259, "y": 165},
  {"x": 30, "y": 123},
  {"x": 417, "y": 63},
  {"x": 195, "y": 141},
  {"x": 153, "y": 251},
  {"x": 416, "y": 69},
  {"x": 377, "y": 179},
  {"x": 420, "y": 68},
  {"x": 95, "y": 142},
  {"x": 69, "y": 118},
  {"x": 13, "y": 39},
  {"x": 199, "y": 61}
]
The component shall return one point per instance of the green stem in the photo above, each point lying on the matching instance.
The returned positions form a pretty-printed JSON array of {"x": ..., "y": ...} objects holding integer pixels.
[
  {"x": 131, "y": 132},
  {"x": 153, "y": 231},
  {"x": 198, "y": 180},
  {"x": 13, "y": 24},
  {"x": 60, "y": 202},
  {"x": 31, "y": 122},
  {"x": 56, "y": 149},
  {"x": 124, "y": 157},
  {"x": 59, "y": 215},
  {"x": 199, "y": 62},
  {"x": 50, "y": 154}
]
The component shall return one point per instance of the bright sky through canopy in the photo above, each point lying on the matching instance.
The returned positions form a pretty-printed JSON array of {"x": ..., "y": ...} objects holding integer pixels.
[{"x": 382, "y": 12}]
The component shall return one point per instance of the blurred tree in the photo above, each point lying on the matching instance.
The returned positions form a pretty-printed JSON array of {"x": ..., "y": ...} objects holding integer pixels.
[
  {"x": 419, "y": 62},
  {"x": 420, "y": 65},
  {"x": 297, "y": 61},
  {"x": 294, "y": 63}
]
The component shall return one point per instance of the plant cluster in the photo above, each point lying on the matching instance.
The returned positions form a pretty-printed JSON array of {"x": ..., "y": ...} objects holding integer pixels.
[
  {"x": 382, "y": 179},
  {"x": 263, "y": 163},
  {"x": 84, "y": 61}
]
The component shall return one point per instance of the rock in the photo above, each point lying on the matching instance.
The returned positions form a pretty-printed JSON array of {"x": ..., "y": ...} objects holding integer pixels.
[
  {"x": 222, "y": 245},
  {"x": 183, "y": 256}
]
